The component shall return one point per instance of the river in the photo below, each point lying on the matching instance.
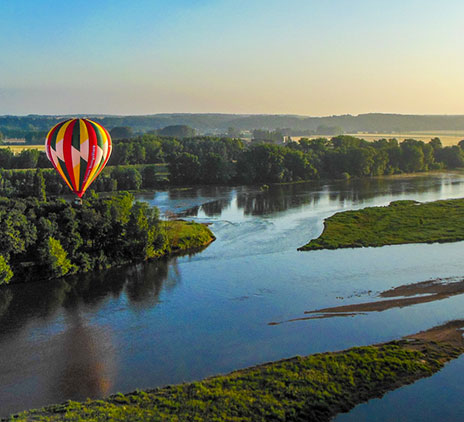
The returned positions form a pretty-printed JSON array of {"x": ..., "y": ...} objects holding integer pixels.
[{"x": 189, "y": 317}]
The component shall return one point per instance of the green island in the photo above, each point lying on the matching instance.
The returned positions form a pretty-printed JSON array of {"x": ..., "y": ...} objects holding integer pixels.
[
  {"x": 311, "y": 388},
  {"x": 398, "y": 223},
  {"x": 42, "y": 239}
]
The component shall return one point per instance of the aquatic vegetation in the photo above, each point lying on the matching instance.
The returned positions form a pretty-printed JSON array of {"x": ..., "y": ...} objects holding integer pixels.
[{"x": 398, "y": 223}]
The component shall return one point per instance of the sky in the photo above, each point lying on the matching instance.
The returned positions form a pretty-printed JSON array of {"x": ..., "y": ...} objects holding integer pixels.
[{"x": 306, "y": 57}]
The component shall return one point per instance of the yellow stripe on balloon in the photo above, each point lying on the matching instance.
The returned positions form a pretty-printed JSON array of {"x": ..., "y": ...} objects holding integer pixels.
[
  {"x": 56, "y": 161},
  {"x": 84, "y": 135},
  {"x": 77, "y": 172}
]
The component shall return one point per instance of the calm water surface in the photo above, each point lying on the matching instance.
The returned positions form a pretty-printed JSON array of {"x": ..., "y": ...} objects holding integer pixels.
[{"x": 186, "y": 318}]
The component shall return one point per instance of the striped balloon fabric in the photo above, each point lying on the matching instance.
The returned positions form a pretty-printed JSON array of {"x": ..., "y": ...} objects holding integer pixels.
[{"x": 79, "y": 150}]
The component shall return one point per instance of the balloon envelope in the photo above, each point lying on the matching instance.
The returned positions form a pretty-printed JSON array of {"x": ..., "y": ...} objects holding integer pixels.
[{"x": 79, "y": 150}]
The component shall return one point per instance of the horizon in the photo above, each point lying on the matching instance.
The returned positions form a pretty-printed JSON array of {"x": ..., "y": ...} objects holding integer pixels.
[
  {"x": 232, "y": 114},
  {"x": 302, "y": 58}
]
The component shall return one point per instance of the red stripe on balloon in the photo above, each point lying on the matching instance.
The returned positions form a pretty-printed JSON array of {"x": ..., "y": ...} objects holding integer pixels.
[
  {"x": 67, "y": 152},
  {"x": 92, "y": 154}
]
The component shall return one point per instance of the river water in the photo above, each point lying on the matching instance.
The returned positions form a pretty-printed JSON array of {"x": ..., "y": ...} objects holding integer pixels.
[{"x": 189, "y": 317}]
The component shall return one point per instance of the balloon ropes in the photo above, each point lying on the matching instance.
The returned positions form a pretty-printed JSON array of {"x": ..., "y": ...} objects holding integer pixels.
[{"x": 79, "y": 150}]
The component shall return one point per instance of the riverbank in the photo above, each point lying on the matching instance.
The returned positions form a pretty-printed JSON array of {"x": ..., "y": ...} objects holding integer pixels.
[
  {"x": 315, "y": 387},
  {"x": 398, "y": 223}
]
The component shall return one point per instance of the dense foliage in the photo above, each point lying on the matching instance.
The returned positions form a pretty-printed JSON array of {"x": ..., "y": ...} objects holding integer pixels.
[
  {"x": 139, "y": 162},
  {"x": 226, "y": 160},
  {"x": 46, "y": 182},
  {"x": 213, "y": 160},
  {"x": 312, "y": 388},
  {"x": 40, "y": 239},
  {"x": 398, "y": 223}
]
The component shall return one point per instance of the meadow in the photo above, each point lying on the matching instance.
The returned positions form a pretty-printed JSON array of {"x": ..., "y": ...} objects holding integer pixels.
[
  {"x": 16, "y": 149},
  {"x": 447, "y": 137}
]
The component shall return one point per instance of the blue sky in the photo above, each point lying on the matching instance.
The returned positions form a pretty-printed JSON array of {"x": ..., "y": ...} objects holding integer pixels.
[{"x": 293, "y": 57}]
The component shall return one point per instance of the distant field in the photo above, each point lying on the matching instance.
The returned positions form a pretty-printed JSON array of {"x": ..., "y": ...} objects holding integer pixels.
[
  {"x": 18, "y": 148},
  {"x": 448, "y": 137}
]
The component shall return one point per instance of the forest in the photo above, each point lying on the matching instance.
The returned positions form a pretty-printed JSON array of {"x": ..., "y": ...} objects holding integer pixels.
[
  {"x": 153, "y": 161},
  {"x": 51, "y": 239}
]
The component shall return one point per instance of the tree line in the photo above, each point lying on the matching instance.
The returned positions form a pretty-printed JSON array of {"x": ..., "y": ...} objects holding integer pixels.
[
  {"x": 214, "y": 160},
  {"x": 206, "y": 160}
]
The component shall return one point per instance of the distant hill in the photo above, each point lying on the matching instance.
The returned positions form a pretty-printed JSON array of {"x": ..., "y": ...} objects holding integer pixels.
[{"x": 219, "y": 123}]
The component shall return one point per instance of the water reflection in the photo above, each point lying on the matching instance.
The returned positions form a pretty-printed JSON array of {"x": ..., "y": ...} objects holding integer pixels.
[
  {"x": 78, "y": 357},
  {"x": 84, "y": 360},
  {"x": 145, "y": 282},
  {"x": 280, "y": 198}
]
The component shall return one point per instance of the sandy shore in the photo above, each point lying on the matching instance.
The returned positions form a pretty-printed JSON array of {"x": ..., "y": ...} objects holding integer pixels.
[{"x": 405, "y": 295}]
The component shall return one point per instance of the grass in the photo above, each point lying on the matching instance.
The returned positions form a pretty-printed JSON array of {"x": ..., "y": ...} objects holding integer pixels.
[
  {"x": 447, "y": 137},
  {"x": 184, "y": 236},
  {"x": 312, "y": 388},
  {"x": 16, "y": 149},
  {"x": 398, "y": 223}
]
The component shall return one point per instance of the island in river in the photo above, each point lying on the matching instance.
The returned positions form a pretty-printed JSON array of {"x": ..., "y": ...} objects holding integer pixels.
[
  {"x": 55, "y": 238},
  {"x": 311, "y": 388},
  {"x": 398, "y": 223}
]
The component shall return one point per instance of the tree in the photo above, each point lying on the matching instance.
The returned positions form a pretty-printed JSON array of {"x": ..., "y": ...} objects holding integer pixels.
[
  {"x": 149, "y": 176},
  {"x": 184, "y": 168},
  {"x": 121, "y": 132},
  {"x": 127, "y": 178},
  {"x": 55, "y": 259},
  {"x": 412, "y": 156},
  {"x": 435, "y": 143},
  {"x": 16, "y": 232},
  {"x": 27, "y": 159},
  {"x": 177, "y": 131},
  {"x": 39, "y": 186},
  {"x": 5, "y": 271},
  {"x": 215, "y": 169},
  {"x": 6, "y": 158},
  {"x": 298, "y": 166},
  {"x": 452, "y": 156}
]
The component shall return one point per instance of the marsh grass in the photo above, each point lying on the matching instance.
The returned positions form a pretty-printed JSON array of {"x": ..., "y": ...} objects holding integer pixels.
[
  {"x": 312, "y": 388},
  {"x": 398, "y": 223}
]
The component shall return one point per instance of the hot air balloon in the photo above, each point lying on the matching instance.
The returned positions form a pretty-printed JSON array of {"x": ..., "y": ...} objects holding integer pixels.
[{"x": 79, "y": 150}]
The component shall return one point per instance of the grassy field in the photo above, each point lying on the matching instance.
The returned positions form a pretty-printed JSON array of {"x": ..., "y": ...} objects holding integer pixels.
[
  {"x": 398, "y": 223},
  {"x": 447, "y": 137},
  {"x": 312, "y": 388},
  {"x": 16, "y": 149}
]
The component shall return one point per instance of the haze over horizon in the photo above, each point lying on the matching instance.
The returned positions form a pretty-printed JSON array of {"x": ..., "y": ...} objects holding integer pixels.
[{"x": 298, "y": 57}]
